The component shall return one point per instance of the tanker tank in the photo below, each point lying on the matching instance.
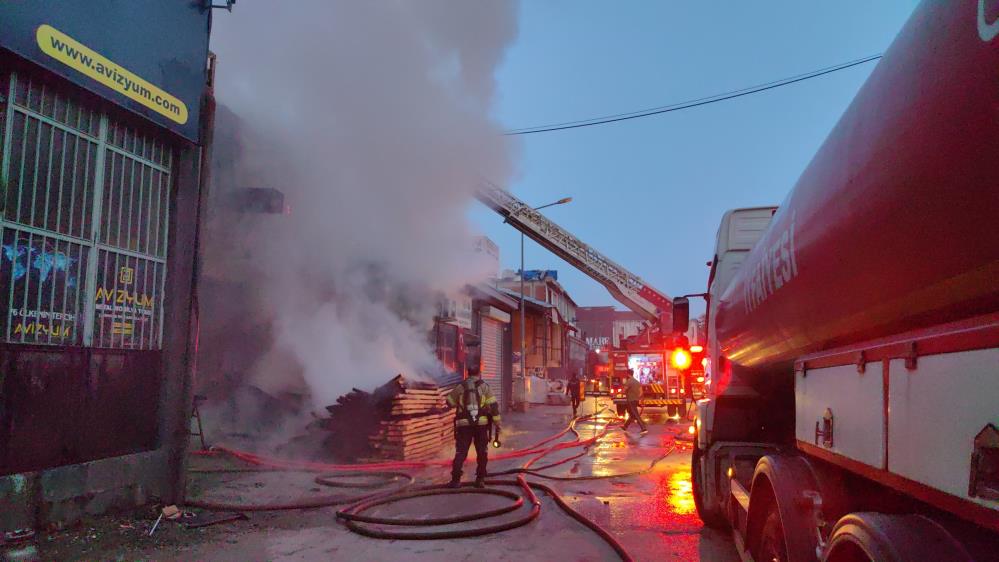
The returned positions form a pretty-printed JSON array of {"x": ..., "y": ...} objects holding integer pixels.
[{"x": 893, "y": 225}]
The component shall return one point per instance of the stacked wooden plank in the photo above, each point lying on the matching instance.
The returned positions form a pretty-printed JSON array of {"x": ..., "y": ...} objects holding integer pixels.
[{"x": 417, "y": 427}]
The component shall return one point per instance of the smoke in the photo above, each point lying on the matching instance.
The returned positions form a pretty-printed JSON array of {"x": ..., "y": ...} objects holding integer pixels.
[{"x": 373, "y": 117}]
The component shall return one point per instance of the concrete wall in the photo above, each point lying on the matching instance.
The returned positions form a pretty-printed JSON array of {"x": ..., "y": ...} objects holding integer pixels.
[{"x": 60, "y": 496}]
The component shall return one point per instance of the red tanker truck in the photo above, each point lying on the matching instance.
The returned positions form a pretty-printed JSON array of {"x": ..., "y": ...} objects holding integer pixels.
[{"x": 853, "y": 332}]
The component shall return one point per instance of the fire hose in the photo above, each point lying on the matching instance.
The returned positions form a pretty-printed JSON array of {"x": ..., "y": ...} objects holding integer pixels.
[
  {"x": 356, "y": 520},
  {"x": 328, "y": 473},
  {"x": 353, "y": 516},
  {"x": 386, "y": 477}
]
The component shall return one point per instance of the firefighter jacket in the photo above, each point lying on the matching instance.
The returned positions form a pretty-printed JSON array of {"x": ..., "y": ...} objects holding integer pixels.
[{"x": 474, "y": 402}]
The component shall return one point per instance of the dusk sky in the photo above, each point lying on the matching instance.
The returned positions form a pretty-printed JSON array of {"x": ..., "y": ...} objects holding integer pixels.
[{"x": 649, "y": 192}]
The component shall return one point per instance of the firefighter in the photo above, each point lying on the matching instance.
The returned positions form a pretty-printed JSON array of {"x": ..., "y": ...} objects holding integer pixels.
[
  {"x": 476, "y": 413},
  {"x": 574, "y": 388},
  {"x": 633, "y": 393}
]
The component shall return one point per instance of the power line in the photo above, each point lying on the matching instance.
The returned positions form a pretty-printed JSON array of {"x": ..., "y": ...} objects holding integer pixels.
[{"x": 689, "y": 103}]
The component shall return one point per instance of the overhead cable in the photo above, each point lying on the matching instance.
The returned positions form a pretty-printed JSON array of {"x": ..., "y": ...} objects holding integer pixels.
[{"x": 690, "y": 103}]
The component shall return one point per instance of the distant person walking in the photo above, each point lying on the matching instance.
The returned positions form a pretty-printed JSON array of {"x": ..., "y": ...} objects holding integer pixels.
[
  {"x": 633, "y": 394},
  {"x": 574, "y": 388}
]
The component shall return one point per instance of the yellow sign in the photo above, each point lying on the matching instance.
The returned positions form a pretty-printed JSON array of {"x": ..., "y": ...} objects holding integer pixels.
[
  {"x": 121, "y": 296},
  {"x": 37, "y": 328},
  {"x": 79, "y": 57},
  {"x": 126, "y": 275}
]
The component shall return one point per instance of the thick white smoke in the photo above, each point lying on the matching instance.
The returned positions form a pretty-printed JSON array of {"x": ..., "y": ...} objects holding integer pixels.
[{"x": 373, "y": 117}]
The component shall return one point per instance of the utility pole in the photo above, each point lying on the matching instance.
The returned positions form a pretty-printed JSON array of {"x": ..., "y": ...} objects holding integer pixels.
[
  {"x": 523, "y": 314},
  {"x": 523, "y": 325}
]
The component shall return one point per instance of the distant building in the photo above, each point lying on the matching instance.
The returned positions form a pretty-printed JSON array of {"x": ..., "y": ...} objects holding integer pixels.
[
  {"x": 554, "y": 348},
  {"x": 486, "y": 247},
  {"x": 603, "y": 326}
]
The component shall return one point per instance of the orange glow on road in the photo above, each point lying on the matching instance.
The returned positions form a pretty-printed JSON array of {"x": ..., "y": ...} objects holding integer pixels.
[{"x": 681, "y": 496}]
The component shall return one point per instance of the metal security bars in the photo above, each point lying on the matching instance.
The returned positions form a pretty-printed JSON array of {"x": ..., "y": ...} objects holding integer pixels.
[{"x": 84, "y": 223}]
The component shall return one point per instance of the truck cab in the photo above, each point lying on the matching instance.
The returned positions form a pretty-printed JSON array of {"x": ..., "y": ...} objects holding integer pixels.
[{"x": 738, "y": 233}]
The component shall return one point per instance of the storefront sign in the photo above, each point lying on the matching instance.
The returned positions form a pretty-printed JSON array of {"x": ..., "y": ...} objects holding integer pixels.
[
  {"x": 126, "y": 305},
  {"x": 149, "y": 56}
]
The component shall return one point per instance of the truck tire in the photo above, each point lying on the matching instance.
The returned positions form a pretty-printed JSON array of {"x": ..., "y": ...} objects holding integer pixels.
[
  {"x": 672, "y": 411},
  {"x": 772, "y": 544},
  {"x": 711, "y": 516}
]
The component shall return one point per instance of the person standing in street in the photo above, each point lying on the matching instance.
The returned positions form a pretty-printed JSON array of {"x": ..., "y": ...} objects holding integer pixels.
[
  {"x": 574, "y": 388},
  {"x": 476, "y": 412},
  {"x": 633, "y": 394}
]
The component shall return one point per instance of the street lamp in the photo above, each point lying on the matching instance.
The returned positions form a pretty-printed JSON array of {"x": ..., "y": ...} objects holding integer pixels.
[{"x": 523, "y": 307}]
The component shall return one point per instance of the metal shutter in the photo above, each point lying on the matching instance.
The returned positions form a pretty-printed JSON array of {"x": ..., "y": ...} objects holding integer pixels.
[{"x": 492, "y": 356}]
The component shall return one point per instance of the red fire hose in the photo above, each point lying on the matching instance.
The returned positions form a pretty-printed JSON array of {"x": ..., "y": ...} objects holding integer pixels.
[{"x": 356, "y": 520}]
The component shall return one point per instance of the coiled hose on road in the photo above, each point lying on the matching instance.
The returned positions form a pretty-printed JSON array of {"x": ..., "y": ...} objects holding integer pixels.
[{"x": 356, "y": 520}]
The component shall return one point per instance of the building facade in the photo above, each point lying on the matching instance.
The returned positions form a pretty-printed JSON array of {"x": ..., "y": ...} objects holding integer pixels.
[
  {"x": 552, "y": 344},
  {"x": 103, "y": 137},
  {"x": 604, "y": 326}
]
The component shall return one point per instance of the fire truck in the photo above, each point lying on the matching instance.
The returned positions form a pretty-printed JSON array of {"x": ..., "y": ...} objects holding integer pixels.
[
  {"x": 853, "y": 333},
  {"x": 599, "y": 381},
  {"x": 650, "y": 358}
]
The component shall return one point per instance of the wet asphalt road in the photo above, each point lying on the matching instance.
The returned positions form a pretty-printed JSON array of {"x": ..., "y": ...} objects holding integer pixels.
[{"x": 651, "y": 514}]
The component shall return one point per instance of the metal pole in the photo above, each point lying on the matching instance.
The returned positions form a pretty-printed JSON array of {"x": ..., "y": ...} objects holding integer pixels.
[
  {"x": 523, "y": 305},
  {"x": 523, "y": 328}
]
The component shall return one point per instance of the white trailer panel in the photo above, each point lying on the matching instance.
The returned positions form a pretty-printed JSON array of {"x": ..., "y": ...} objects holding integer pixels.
[
  {"x": 856, "y": 401},
  {"x": 935, "y": 411}
]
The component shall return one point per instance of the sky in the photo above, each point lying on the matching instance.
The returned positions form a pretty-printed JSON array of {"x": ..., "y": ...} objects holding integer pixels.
[{"x": 649, "y": 193}]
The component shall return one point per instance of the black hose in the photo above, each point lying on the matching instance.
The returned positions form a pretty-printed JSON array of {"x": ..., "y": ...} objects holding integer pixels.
[
  {"x": 589, "y": 523},
  {"x": 352, "y": 515},
  {"x": 354, "y": 512},
  {"x": 309, "y": 503},
  {"x": 386, "y": 477},
  {"x": 356, "y": 521}
]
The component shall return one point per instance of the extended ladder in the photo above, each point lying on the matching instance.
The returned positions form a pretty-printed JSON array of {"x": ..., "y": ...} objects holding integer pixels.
[{"x": 628, "y": 288}]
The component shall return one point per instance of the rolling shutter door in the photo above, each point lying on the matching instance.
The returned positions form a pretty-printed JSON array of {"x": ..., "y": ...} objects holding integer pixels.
[{"x": 492, "y": 356}]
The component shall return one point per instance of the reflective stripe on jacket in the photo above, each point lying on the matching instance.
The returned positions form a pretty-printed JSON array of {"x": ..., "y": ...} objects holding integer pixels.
[{"x": 487, "y": 406}]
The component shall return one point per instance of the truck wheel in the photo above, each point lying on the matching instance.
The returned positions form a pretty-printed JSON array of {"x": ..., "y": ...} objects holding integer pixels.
[
  {"x": 621, "y": 409},
  {"x": 772, "y": 544},
  {"x": 711, "y": 517},
  {"x": 671, "y": 411}
]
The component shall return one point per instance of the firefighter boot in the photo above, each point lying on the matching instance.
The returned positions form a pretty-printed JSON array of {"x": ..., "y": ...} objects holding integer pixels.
[
  {"x": 480, "y": 481},
  {"x": 455, "y": 482}
]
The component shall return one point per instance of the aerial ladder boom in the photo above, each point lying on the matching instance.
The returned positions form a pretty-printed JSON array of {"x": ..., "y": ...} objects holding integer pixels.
[{"x": 628, "y": 288}]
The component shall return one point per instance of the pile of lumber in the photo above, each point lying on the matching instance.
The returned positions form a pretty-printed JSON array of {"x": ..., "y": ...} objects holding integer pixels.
[
  {"x": 418, "y": 425},
  {"x": 400, "y": 420}
]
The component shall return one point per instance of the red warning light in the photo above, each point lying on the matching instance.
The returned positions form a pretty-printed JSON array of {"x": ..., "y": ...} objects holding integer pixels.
[{"x": 680, "y": 359}]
